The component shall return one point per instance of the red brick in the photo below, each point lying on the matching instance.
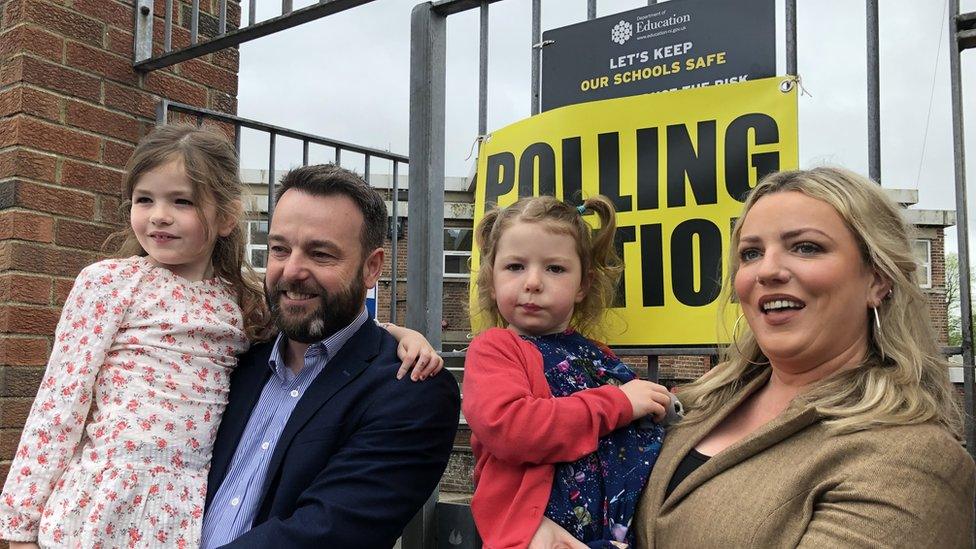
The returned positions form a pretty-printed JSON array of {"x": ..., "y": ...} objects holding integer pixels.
[
  {"x": 30, "y": 39},
  {"x": 54, "y": 200},
  {"x": 120, "y": 42},
  {"x": 176, "y": 89},
  {"x": 15, "y": 225},
  {"x": 11, "y": 70},
  {"x": 15, "y": 412},
  {"x": 110, "y": 11},
  {"x": 116, "y": 154},
  {"x": 65, "y": 22},
  {"x": 28, "y": 319},
  {"x": 42, "y": 259},
  {"x": 131, "y": 100},
  {"x": 102, "y": 63},
  {"x": 78, "y": 175},
  {"x": 86, "y": 236},
  {"x": 30, "y": 101},
  {"x": 62, "y": 79},
  {"x": 220, "y": 101},
  {"x": 210, "y": 75},
  {"x": 109, "y": 210},
  {"x": 25, "y": 289},
  {"x": 9, "y": 438},
  {"x": 62, "y": 287},
  {"x": 23, "y": 351},
  {"x": 22, "y": 163},
  {"x": 21, "y": 381},
  {"x": 13, "y": 13},
  {"x": 227, "y": 58},
  {"x": 99, "y": 120},
  {"x": 58, "y": 139}
]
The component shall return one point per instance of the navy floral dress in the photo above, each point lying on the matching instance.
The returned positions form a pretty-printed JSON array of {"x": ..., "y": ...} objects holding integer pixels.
[{"x": 595, "y": 497}]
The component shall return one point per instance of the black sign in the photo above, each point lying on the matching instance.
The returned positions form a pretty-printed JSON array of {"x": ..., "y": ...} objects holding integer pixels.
[{"x": 675, "y": 45}]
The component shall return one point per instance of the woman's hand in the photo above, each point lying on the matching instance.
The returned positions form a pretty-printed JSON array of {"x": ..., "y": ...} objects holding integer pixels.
[
  {"x": 415, "y": 352},
  {"x": 552, "y": 536},
  {"x": 647, "y": 398},
  {"x": 23, "y": 545}
]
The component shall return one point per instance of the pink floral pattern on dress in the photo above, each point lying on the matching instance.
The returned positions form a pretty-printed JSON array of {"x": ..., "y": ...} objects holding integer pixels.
[{"x": 116, "y": 450}]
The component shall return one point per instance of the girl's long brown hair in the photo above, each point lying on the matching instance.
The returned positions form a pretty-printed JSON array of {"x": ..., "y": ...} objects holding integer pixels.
[{"x": 211, "y": 166}]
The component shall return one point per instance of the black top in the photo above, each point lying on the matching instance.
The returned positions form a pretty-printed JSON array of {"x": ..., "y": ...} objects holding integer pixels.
[{"x": 692, "y": 461}]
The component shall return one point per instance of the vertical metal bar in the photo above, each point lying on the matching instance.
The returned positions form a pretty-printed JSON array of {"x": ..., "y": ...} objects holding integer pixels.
[
  {"x": 252, "y": 8},
  {"x": 590, "y": 9},
  {"x": 874, "y": 96},
  {"x": 142, "y": 36},
  {"x": 162, "y": 108},
  {"x": 194, "y": 21},
  {"x": 271, "y": 175},
  {"x": 394, "y": 244},
  {"x": 237, "y": 139},
  {"x": 791, "y": 37},
  {"x": 222, "y": 18},
  {"x": 305, "y": 152},
  {"x": 338, "y": 159},
  {"x": 286, "y": 7},
  {"x": 425, "y": 285},
  {"x": 962, "y": 226},
  {"x": 199, "y": 120},
  {"x": 653, "y": 368},
  {"x": 168, "y": 27},
  {"x": 483, "y": 71},
  {"x": 536, "y": 52},
  {"x": 366, "y": 168},
  {"x": 651, "y": 2}
]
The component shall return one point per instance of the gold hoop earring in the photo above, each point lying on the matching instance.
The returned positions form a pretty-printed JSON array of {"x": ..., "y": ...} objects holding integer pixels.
[{"x": 735, "y": 342}]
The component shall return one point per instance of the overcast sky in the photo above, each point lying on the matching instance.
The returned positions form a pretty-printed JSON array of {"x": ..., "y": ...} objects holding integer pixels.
[{"x": 346, "y": 77}]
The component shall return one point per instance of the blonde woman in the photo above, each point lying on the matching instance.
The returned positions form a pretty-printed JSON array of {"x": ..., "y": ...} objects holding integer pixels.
[{"x": 832, "y": 422}]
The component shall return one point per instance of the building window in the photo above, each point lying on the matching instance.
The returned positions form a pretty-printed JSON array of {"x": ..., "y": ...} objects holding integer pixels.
[
  {"x": 923, "y": 256},
  {"x": 257, "y": 244},
  {"x": 457, "y": 252}
]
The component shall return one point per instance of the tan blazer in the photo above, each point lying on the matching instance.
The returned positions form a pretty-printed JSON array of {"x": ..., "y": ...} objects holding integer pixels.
[{"x": 791, "y": 484}]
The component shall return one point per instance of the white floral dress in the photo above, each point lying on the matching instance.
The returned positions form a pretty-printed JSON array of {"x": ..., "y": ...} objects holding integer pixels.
[{"x": 117, "y": 447}]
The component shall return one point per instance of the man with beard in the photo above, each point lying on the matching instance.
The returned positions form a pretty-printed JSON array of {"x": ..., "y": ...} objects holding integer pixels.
[{"x": 321, "y": 445}]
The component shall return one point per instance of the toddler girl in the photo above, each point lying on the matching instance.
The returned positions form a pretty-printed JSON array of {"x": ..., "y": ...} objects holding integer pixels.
[
  {"x": 116, "y": 450},
  {"x": 551, "y": 411}
]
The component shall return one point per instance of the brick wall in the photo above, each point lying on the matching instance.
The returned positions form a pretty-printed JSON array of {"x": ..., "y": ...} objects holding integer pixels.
[{"x": 71, "y": 111}]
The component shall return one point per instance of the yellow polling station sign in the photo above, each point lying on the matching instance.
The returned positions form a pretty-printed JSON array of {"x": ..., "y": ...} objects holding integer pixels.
[{"x": 677, "y": 166}]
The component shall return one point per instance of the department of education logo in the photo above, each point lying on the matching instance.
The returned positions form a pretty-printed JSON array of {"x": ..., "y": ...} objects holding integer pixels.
[{"x": 621, "y": 32}]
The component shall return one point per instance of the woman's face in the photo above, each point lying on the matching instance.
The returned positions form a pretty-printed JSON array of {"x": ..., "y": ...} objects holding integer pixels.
[{"x": 802, "y": 283}]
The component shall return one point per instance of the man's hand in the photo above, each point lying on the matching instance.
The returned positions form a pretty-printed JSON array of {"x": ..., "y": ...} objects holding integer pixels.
[
  {"x": 23, "y": 545},
  {"x": 415, "y": 352},
  {"x": 552, "y": 536}
]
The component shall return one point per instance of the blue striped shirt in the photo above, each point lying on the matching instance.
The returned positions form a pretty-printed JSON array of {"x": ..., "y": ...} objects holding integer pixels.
[{"x": 235, "y": 504}]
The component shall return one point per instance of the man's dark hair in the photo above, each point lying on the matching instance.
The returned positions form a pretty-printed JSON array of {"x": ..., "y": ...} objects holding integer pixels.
[{"x": 331, "y": 180}]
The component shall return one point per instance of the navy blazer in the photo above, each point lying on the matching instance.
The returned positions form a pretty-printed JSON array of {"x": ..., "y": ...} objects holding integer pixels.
[{"x": 359, "y": 455}]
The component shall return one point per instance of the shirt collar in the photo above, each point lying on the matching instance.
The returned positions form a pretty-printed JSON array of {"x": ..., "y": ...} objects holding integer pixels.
[{"x": 325, "y": 349}]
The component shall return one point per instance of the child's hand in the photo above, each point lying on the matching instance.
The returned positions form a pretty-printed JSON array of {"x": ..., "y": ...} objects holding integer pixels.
[
  {"x": 647, "y": 398},
  {"x": 23, "y": 545},
  {"x": 416, "y": 353},
  {"x": 552, "y": 536}
]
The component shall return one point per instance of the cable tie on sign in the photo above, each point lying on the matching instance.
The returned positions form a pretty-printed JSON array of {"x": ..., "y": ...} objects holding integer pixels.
[
  {"x": 543, "y": 44},
  {"x": 477, "y": 140}
]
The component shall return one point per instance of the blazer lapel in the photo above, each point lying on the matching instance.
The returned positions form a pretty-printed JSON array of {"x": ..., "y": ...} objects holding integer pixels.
[
  {"x": 249, "y": 379},
  {"x": 792, "y": 420},
  {"x": 351, "y": 360}
]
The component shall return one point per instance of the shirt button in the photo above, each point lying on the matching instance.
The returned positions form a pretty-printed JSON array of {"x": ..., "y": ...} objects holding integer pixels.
[
  {"x": 234, "y": 502},
  {"x": 294, "y": 393},
  {"x": 265, "y": 445}
]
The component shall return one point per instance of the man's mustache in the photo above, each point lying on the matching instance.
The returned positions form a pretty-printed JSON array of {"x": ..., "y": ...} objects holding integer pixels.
[{"x": 304, "y": 287}]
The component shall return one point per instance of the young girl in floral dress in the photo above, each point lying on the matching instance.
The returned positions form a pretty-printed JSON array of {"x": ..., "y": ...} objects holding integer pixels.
[
  {"x": 559, "y": 456},
  {"x": 116, "y": 450}
]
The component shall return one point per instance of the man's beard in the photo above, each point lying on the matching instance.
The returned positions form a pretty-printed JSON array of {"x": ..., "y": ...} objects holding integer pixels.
[{"x": 335, "y": 311}]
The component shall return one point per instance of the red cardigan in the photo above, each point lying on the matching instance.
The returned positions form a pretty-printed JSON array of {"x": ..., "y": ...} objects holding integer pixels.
[{"x": 519, "y": 431}]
